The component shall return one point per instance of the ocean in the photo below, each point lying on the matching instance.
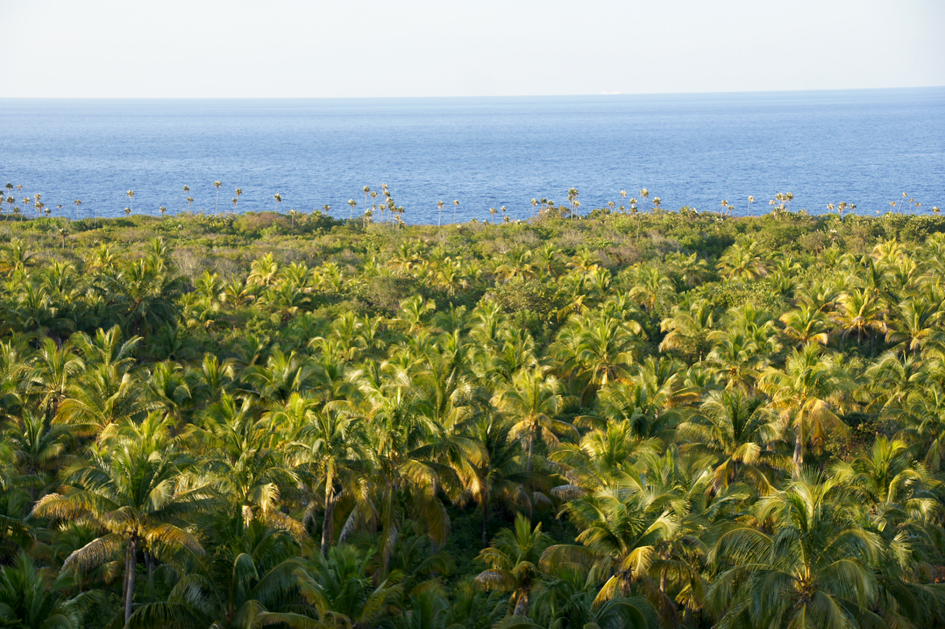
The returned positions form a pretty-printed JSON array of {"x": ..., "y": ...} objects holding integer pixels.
[{"x": 864, "y": 147}]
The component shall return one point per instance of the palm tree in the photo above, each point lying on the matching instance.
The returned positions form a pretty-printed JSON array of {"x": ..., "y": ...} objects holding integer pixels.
[
  {"x": 455, "y": 205},
  {"x": 239, "y": 193},
  {"x": 499, "y": 475},
  {"x": 330, "y": 454},
  {"x": 742, "y": 262},
  {"x": 352, "y": 203},
  {"x": 77, "y": 204},
  {"x": 810, "y": 565},
  {"x": 806, "y": 392},
  {"x": 138, "y": 496},
  {"x": 572, "y": 199},
  {"x": 131, "y": 199},
  {"x": 216, "y": 206},
  {"x": 534, "y": 400},
  {"x": 162, "y": 210},
  {"x": 439, "y": 216},
  {"x": 278, "y": 198},
  {"x": 513, "y": 560},
  {"x": 341, "y": 593},
  {"x": 184, "y": 198},
  {"x": 29, "y": 600},
  {"x": 734, "y": 429}
]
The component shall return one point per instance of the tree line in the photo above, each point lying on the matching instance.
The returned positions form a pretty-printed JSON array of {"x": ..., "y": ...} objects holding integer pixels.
[{"x": 664, "y": 420}]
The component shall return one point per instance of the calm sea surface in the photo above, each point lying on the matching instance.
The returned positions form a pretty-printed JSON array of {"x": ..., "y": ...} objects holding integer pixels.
[{"x": 864, "y": 147}]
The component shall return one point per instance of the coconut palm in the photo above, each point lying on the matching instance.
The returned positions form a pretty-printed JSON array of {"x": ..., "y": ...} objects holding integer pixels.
[
  {"x": 735, "y": 430},
  {"x": 533, "y": 400},
  {"x": 216, "y": 206},
  {"x": 329, "y": 453},
  {"x": 807, "y": 392},
  {"x": 29, "y": 600},
  {"x": 138, "y": 497},
  {"x": 513, "y": 559},
  {"x": 237, "y": 448},
  {"x": 742, "y": 262},
  {"x": 131, "y": 200},
  {"x": 809, "y": 566}
]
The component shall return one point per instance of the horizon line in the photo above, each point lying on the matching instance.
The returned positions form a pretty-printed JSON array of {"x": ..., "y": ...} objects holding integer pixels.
[{"x": 601, "y": 93}]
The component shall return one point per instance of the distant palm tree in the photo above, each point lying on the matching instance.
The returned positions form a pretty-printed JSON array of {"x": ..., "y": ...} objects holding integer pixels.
[
  {"x": 352, "y": 203},
  {"x": 572, "y": 199},
  {"x": 131, "y": 200},
  {"x": 185, "y": 198},
  {"x": 216, "y": 205},
  {"x": 162, "y": 209},
  {"x": 278, "y": 198},
  {"x": 77, "y": 204},
  {"x": 239, "y": 192},
  {"x": 127, "y": 211},
  {"x": 455, "y": 205},
  {"x": 439, "y": 218},
  {"x": 492, "y": 212},
  {"x": 327, "y": 208}
]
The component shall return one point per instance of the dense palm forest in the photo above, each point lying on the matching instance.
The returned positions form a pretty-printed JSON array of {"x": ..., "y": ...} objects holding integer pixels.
[{"x": 659, "y": 419}]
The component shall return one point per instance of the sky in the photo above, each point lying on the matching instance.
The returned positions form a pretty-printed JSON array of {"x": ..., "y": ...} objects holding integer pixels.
[{"x": 419, "y": 48}]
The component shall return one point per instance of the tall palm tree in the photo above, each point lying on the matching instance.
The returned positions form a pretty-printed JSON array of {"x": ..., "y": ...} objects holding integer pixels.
[
  {"x": 77, "y": 204},
  {"x": 439, "y": 216},
  {"x": 184, "y": 198},
  {"x": 329, "y": 452},
  {"x": 533, "y": 401},
  {"x": 810, "y": 565},
  {"x": 216, "y": 206},
  {"x": 806, "y": 393},
  {"x": 139, "y": 497},
  {"x": 734, "y": 429},
  {"x": 131, "y": 199}
]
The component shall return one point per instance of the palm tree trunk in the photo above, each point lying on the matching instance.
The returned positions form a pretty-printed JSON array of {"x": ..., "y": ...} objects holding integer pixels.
[
  {"x": 328, "y": 522},
  {"x": 485, "y": 520},
  {"x": 521, "y": 606},
  {"x": 798, "y": 449},
  {"x": 130, "y": 561},
  {"x": 528, "y": 465}
]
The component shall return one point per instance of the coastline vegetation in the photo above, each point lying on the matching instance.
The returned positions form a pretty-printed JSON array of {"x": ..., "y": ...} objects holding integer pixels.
[{"x": 647, "y": 419}]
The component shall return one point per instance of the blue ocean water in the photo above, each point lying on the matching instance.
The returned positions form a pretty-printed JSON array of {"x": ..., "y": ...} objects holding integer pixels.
[{"x": 863, "y": 146}]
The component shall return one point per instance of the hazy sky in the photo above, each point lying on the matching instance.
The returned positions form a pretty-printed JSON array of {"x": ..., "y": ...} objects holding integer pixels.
[{"x": 313, "y": 48}]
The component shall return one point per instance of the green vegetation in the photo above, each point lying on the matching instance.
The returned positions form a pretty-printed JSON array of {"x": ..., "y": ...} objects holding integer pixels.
[{"x": 654, "y": 419}]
